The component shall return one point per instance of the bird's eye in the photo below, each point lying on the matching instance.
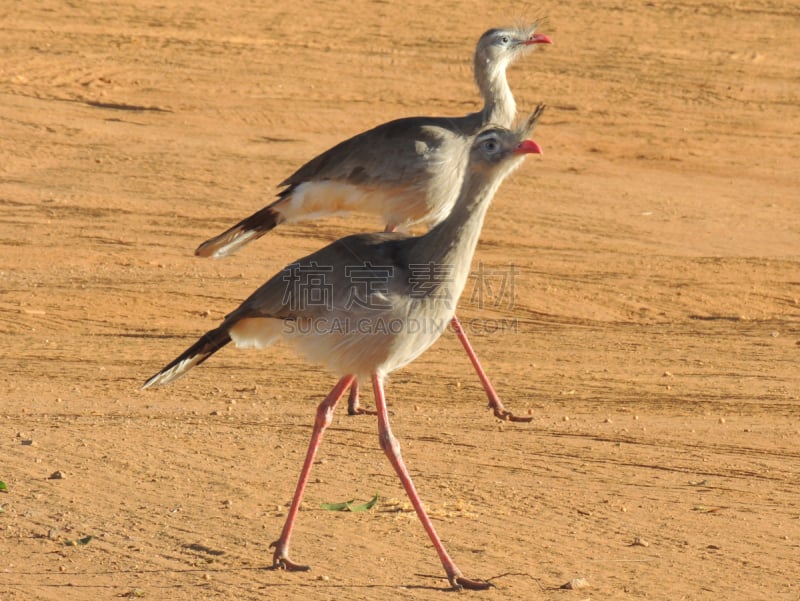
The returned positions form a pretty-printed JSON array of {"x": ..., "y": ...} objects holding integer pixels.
[
  {"x": 490, "y": 146},
  {"x": 504, "y": 39}
]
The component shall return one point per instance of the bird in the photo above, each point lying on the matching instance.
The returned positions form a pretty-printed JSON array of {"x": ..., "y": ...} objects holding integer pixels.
[
  {"x": 376, "y": 301},
  {"x": 399, "y": 170}
]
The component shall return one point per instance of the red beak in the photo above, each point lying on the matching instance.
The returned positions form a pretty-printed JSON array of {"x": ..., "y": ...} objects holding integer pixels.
[
  {"x": 528, "y": 147},
  {"x": 538, "y": 38}
]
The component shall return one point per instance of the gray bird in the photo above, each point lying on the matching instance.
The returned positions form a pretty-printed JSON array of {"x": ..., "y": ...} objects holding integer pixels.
[
  {"x": 407, "y": 171},
  {"x": 369, "y": 304}
]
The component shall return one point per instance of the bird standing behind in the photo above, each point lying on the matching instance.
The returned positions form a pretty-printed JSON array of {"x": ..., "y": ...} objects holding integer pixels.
[{"x": 407, "y": 171}]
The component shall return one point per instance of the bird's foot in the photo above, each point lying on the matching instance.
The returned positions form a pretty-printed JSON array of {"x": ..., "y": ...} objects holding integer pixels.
[
  {"x": 281, "y": 561},
  {"x": 459, "y": 582},
  {"x": 356, "y": 410},
  {"x": 500, "y": 412},
  {"x": 353, "y": 406}
]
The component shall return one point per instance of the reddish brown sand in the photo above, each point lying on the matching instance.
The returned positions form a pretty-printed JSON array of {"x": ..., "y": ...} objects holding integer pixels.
[{"x": 653, "y": 330}]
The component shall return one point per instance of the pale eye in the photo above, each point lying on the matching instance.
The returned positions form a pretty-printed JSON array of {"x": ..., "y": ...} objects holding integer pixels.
[
  {"x": 490, "y": 146},
  {"x": 504, "y": 39}
]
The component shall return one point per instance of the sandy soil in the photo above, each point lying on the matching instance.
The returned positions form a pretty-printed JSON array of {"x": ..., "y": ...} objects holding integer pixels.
[{"x": 653, "y": 331}]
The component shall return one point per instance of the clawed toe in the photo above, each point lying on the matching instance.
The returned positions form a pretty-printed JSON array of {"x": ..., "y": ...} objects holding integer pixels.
[
  {"x": 459, "y": 582},
  {"x": 360, "y": 411},
  {"x": 281, "y": 561},
  {"x": 284, "y": 563},
  {"x": 507, "y": 416}
]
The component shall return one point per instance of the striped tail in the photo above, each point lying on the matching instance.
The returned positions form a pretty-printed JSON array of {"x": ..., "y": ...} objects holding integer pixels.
[
  {"x": 307, "y": 200},
  {"x": 248, "y": 229},
  {"x": 201, "y": 350}
]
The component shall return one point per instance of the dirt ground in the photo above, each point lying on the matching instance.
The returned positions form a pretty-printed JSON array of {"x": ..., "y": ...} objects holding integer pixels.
[{"x": 652, "y": 329}]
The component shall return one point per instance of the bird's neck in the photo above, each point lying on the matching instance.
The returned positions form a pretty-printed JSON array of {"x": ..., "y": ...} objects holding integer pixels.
[
  {"x": 498, "y": 101},
  {"x": 451, "y": 244}
]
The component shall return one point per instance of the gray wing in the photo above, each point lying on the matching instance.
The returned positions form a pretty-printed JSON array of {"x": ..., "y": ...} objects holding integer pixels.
[
  {"x": 334, "y": 281},
  {"x": 348, "y": 275},
  {"x": 397, "y": 152},
  {"x": 405, "y": 170}
]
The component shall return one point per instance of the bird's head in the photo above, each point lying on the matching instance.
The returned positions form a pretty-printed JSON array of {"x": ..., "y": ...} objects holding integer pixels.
[
  {"x": 494, "y": 146},
  {"x": 501, "y": 47}
]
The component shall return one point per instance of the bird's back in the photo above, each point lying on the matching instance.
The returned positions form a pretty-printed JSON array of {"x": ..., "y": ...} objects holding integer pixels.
[
  {"x": 356, "y": 306},
  {"x": 409, "y": 169},
  {"x": 398, "y": 151}
]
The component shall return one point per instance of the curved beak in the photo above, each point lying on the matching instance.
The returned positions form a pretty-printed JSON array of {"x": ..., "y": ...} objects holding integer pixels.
[
  {"x": 528, "y": 147},
  {"x": 538, "y": 38}
]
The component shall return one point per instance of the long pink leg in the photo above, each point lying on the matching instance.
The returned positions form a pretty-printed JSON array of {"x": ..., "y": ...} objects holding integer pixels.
[
  {"x": 494, "y": 401},
  {"x": 280, "y": 558},
  {"x": 391, "y": 447}
]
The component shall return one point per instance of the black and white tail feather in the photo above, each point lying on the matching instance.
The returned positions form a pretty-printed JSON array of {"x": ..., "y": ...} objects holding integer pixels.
[{"x": 208, "y": 344}]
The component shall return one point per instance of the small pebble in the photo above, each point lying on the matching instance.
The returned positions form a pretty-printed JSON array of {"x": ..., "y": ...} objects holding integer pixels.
[
  {"x": 639, "y": 542},
  {"x": 575, "y": 583},
  {"x": 722, "y": 420},
  {"x": 57, "y": 475}
]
